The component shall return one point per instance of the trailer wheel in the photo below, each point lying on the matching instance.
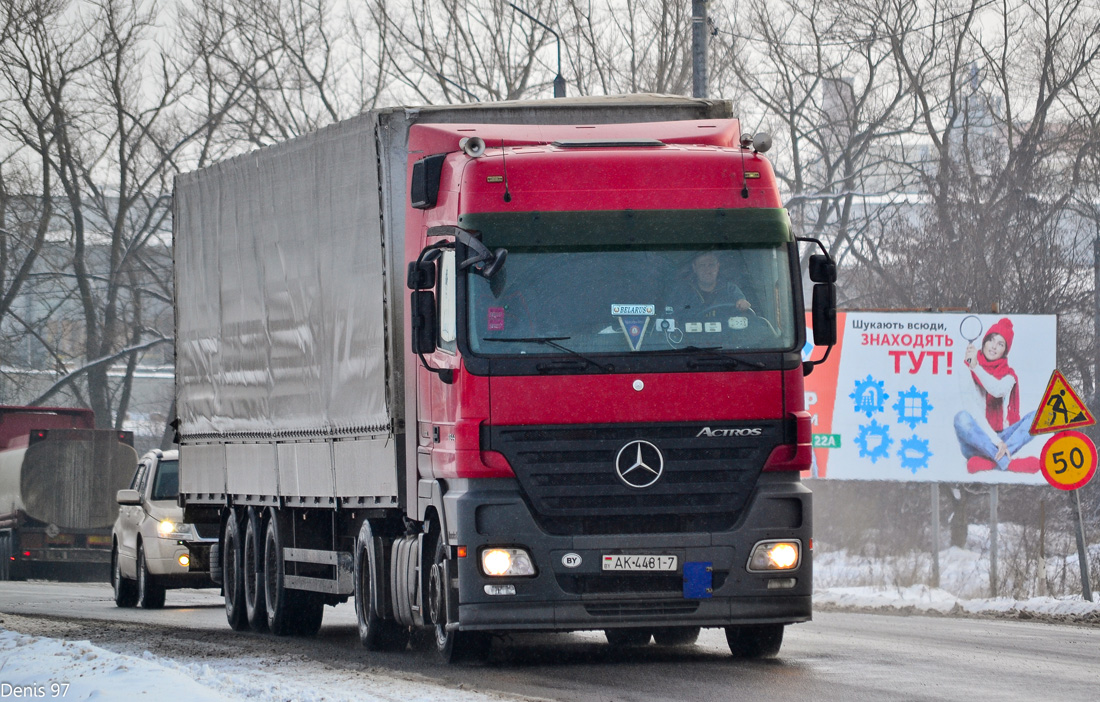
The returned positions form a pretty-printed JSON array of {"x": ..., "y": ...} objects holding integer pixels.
[
  {"x": 126, "y": 593},
  {"x": 149, "y": 594},
  {"x": 759, "y": 641},
  {"x": 289, "y": 612},
  {"x": 628, "y": 638},
  {"x": 376, "y": 633},
  {"x": 255, "y": 604},
  {"x": 233, "y": 575},
  {"x": 453, "y": 646},
  {"x": 676, "y": 635}
]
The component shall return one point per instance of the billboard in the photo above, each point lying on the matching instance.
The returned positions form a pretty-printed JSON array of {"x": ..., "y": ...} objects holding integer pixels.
[{"x": 931, "y": 397}]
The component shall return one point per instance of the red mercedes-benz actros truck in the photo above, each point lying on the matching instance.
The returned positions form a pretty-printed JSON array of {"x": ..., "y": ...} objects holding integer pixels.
[{"x": 510, "y": 367}]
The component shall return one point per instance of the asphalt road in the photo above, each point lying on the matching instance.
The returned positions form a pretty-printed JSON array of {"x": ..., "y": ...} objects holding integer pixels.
[{"x": 838, "y": 656}]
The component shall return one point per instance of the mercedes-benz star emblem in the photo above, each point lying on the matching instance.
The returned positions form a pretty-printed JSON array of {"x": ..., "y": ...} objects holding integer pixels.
[{"x": 639, "y": 464}]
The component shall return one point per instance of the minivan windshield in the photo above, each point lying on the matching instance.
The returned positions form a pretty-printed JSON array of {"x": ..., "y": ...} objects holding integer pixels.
[
  {"x": 638, "y": 300},
  {"x": 166, "y": 486}
]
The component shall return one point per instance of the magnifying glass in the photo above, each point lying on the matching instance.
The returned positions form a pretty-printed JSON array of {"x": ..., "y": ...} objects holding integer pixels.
[{"x": 970, "y": 328}]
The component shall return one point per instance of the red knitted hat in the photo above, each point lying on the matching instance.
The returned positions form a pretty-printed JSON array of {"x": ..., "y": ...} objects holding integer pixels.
[{"x": 1004, "y": 328}]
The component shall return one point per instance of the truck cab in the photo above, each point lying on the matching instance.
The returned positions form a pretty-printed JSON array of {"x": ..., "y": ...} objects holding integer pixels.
[{"x": 613, "y": 436}]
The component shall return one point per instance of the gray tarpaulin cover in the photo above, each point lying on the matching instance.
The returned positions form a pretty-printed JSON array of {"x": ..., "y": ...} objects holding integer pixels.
[{"x": 280, "y": 290}]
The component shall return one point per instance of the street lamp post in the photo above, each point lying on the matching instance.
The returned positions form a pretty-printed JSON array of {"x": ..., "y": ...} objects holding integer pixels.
[{"x": 559, "y": 82}]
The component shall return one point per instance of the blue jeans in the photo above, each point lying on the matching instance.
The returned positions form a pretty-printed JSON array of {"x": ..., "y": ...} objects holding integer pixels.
[{"x": 973, "y": 441}]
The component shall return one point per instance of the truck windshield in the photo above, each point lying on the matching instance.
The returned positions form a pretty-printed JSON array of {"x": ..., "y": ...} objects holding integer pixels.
[{"x": 634, "y": 300}]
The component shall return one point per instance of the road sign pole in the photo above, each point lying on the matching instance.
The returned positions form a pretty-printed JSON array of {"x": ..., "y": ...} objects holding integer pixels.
[
  {"x": 1082, "y": 553},
  {"x": 935, "y": 534},
  {"x": 993, "y": 540}
]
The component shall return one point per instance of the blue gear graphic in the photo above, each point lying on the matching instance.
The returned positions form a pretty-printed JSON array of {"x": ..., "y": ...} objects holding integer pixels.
[
  {"x": 908, "y": 412},
  {"x": 914, "y": 453},
  {"x": 882, "y": 450},
  {"x": 869, "y": 396}
]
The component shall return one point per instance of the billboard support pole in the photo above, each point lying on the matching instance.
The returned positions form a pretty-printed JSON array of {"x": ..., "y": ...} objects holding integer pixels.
[
  {"x": 993, "y": 540},
  {"x": 1082, "y": 552},
  {"x": 935, "y": 495}
]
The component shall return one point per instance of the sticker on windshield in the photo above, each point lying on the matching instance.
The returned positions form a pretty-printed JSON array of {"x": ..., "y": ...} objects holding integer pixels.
[
  {"x": 633, "y": 310},
  {"x": 693, "y": 327},
  {"x": 496, "y": 319},
  {"x": 738, "y": 322},
  {"x": 713, "y": 326}
]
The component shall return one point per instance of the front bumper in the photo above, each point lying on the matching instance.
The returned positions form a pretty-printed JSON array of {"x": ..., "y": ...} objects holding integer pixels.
[{"x": 561, "y": 598}]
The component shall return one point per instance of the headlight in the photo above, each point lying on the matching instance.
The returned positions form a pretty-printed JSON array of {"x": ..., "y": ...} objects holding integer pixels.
[
  {"x": 775, "y": 555},
  {"x": 170, "y": 530},
  {"x": 500, "y": 562}
]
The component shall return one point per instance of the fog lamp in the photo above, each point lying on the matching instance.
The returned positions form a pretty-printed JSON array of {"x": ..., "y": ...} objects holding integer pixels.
[
  {"x": 500, "y": 562},
  {"x": 185, "y": 560},
  {"x": 775, "y": 555}
]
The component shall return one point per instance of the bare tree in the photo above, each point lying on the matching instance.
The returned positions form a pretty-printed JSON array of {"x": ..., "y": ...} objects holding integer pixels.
[{"x": 282, "y": 67}]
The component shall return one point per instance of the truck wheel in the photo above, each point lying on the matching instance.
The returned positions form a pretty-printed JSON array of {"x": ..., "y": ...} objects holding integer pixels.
[
  {"x": 289, "y": 612},
  {"x": 375, "y": 632},
  {"x": 149, "y": 594},
  {"x": 233, "y": 575},
  {"x": 255, "y": 606},
  {"x": 452, "y": 645},
  {"x": 759, "y": 641},
  {"x": 676, "y": 635},
  {"x": 628, "y": 638},
  {"x": 125, "y": 590},
  {"x": 309, "y": 611}
]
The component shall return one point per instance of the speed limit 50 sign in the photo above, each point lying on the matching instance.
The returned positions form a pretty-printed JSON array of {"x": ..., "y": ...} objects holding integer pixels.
[{"x": 1068, "y": 460}]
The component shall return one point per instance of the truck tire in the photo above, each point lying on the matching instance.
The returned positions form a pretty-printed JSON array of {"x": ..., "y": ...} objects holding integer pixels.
[
  {"x": 453, "y": 646},
  {"x": 758, "y": 641},
  {"x": 376, "y": 633},
  {"x": 233, "y": 574},
  {"x": 126, "y": 594},
  {"x": 289, "y": 612},
  {"x": 149, "y": 594},
  {"x": 628, "y": 638},
  {"x": 5, "y": 556},
  {"x": 676, "y": 635},
  {"x": 255, "y": 605}
]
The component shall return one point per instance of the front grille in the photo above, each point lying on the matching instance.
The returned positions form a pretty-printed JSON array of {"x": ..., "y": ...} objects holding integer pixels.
[
  {"x": 642, "y": 610},
  {"x": 567, "y": 475},
  {"x": 602, "y": 584}
]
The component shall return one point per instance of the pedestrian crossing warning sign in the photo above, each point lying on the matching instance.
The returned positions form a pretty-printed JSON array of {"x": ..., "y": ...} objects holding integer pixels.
[{"x": 1061, "y": 408}]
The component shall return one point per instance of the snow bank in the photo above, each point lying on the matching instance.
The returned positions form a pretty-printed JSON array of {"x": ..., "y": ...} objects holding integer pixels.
[{"x": 32, "y": 665}]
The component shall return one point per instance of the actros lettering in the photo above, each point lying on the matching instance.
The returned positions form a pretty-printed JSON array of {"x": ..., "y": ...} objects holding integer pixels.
[{"x": 744, "y": 431}]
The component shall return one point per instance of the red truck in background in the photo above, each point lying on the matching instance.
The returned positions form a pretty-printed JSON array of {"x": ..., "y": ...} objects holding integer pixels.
[
  {"x": 58, "y": 479},
  {"x": 464, "y": 365}
]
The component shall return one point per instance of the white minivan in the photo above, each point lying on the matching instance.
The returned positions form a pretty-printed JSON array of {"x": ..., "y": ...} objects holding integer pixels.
[{"x": 152, "y": 549}]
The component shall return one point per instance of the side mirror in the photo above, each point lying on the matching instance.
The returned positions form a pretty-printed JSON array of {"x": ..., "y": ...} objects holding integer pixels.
[
  {"x": 421, "y": 275},
  {"x": 128, "y": 497},
  {"x": 423, "y": 321},
  {"x": 822, "y": 269},
  {"x": 824, "y": 314},
  {"x": 426, "y": 176}
]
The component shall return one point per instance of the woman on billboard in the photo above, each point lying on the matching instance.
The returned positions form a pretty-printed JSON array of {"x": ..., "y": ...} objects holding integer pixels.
[{"x": 992, "y": 431}]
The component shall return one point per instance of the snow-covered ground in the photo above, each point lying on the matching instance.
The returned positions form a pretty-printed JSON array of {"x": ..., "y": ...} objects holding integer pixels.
[
  {"x": 36, "y": 667},
  {"x": 903, "y": 583}
]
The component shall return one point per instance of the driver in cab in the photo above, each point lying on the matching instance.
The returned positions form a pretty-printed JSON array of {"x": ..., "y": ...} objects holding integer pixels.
[{"x": 703, "y": 293}]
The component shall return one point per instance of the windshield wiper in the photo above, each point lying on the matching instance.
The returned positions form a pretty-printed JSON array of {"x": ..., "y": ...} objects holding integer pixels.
[
  {"x": 716, "y": 354},
  {"x": 551, "y": 341}
]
